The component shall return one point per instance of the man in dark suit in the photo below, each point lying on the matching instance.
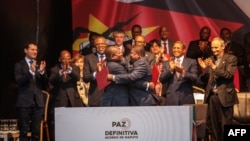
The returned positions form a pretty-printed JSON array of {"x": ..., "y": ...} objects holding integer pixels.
[
  {"x": 63, "y": 79},
  {"x": 135, "y": 31},
  {"x": 31, "y": 79},
  {"x": 90, "y": 48},
  {"x": 166, "y": 43},
  {"x": 119, "y": 37},
  {"x": 220, "y": 95},
  {"x": 115, "y": 94},
  {"x": 90, "y": 69},
  {"x": 180, "y": 74},
  {"x": 237, "y": 50},
  {"x": 138, "y": 78},
  {"x": 63, "y": 86},
  {"x": 200, "y": 48}
]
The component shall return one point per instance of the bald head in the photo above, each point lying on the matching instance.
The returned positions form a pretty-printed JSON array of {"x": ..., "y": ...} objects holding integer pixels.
[
  {"x": 140, "y": 40},
  {"x": 65, "y": 56},
  {"x": 218, "y": 46}
]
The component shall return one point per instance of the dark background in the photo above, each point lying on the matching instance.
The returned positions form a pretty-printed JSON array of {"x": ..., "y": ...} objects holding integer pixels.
[{"x": 18, "y": 25}]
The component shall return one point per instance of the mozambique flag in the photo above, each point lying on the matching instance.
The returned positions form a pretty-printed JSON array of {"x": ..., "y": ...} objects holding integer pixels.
[{"x": 183, "y": 18}]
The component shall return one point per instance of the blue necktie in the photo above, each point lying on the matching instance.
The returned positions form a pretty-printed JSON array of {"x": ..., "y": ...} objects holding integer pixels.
[{"x": 31, "y": 61}]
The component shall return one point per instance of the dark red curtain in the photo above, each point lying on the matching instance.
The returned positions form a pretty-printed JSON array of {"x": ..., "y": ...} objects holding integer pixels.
[{"x": 19, "y": 25}]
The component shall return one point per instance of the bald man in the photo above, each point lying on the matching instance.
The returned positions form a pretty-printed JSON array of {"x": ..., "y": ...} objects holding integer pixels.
[
  {"x": 140, "y": 41},
  {"x": 63, "y": 79},
  {"x": 218, "y": 74}
]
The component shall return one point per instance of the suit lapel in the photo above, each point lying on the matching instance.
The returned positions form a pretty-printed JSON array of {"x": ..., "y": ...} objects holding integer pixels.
[
  {"x": 25, "y": 65},
  {"x": 222, "y": 61}
]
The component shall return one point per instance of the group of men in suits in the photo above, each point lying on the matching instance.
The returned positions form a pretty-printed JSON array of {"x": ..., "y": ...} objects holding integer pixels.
[
  {"x": 179, "y": 73},
  {"x": 185, "y": 70}
]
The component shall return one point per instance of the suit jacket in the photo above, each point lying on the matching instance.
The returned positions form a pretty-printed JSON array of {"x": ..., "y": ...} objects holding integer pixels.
[
  {"x": 138, "y": 71},
  {"x": 223, "y": 76},
  {"x": 179, "y": 90},
  {"x": 115, "y": 94},
  {"x": 150, "y": 57},
  {"x": 238, "y": 51},
  {"x": 170, "y": 46},
  {"x": 64, "y": 90},
  {"x": 29, "y": 89},
  {"x": 194, "y": 51},
  {"x": 95, "y": 95}
]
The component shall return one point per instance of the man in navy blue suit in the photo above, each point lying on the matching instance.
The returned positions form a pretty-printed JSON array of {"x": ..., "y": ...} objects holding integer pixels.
[
  {"x": 31, "y": 79},
  {"x": 115, "y": 94}
]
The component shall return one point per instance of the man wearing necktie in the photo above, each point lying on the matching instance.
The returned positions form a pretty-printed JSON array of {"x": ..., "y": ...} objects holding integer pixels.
[
  {"x": 180, "y": 74},
  {"x": 119, "y": 38},
  {"x": 30, "y": 101},
  {"x": 91, "y": 62},
  {"x": 63, "y": 79},
  {"x": 166, "y": 43}
]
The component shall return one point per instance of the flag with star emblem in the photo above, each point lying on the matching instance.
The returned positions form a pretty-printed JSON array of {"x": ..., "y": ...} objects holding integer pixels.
[{"x": 183, "y": 18}]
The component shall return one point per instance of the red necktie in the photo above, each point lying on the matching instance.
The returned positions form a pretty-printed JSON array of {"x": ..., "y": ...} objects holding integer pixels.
[{"x": 165, "y": 47}]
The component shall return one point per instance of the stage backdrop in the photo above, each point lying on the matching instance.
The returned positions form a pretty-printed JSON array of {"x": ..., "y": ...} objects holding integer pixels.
[{"x": 183, "y": 18}]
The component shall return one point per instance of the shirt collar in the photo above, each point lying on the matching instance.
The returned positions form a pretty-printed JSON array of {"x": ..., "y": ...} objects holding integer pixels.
[
  {"x": 28, "y": 60},
  {"x": 181, "y": 58}
]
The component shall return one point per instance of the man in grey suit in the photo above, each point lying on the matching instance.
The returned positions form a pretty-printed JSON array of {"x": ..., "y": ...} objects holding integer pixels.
[
  {"x": 220, "y": 95},
  {"x": 180, "y": 74}
]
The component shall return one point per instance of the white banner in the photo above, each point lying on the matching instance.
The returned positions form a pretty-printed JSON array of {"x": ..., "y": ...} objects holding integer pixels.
[{"x": 153, "y": 123}]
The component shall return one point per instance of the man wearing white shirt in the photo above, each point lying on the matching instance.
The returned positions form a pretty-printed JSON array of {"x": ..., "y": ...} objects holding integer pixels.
[
  {"x": 179, "y": 76},
  {"x": 31, "y": 79},
  {"x": 119, "y": 38},
  {"x": 166, "y": 43}
]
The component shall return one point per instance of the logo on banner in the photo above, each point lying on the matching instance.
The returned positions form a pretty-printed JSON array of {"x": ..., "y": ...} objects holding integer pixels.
[{"x": 121, "y": 130}]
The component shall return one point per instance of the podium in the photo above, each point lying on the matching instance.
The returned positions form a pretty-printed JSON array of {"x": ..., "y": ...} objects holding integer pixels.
[{"x": 142, "y": 123}]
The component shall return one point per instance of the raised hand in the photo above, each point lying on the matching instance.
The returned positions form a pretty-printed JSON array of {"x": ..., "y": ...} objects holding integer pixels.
[
  {"x": 202, "y": 63},
  {"x": 42, "y": 66}
]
